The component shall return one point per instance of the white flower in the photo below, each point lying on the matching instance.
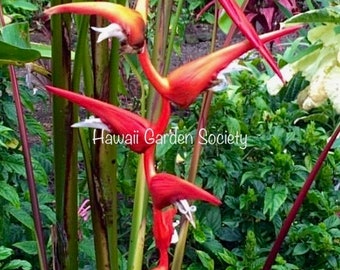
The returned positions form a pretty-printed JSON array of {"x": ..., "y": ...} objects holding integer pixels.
[
  {"x": 185, "y": 209},
  {"x": 112, "y": 30},
  {"x": 92, "y": 122}
]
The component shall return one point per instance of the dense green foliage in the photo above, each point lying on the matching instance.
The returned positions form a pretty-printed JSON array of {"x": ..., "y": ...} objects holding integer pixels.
[{"x": 16, "y": 222}]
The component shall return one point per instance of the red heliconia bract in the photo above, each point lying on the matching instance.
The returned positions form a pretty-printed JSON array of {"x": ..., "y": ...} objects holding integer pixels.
[
  {"x": 241, "y": 21},
  {"x": 131, "y": 21},
  {"x": 184, "y": 84},
  {"x": 120, "y": 121},
  {"x": 166, "y": 189}
]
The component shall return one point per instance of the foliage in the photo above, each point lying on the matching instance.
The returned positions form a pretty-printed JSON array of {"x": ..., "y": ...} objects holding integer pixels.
[{"x": 16, "y": 225}]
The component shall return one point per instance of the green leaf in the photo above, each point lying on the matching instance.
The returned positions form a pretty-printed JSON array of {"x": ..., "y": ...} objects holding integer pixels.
[
  {"x": 17, "y": 264},
  {"x": 10, "y": 54},
  {"x": 21, "y": 4},
  {"x": 5, "y": 253},
  {"x": 273, "y": 200},
  {"x": 224, "y": 21},
  {"x": 17, "y": 34},
  {"x": 300, "y": 249},
  {"x": 332, "y": 222},
  {"x": 9, "y": 193},
  {"x": 29, "y": 247},
  {"x": 228, "y": 257},
  {"x": 48, "y": 212},
  {"x": 229, "y": 234},
  {"x": 45, "y": 50},
  {"x": 206, "y": 260},
  {"x": 324, "y": 15},
  {"x": 213, "y": 217},
  {"x": 15, "y": 163},
  {"x": 22, "y": 216}
]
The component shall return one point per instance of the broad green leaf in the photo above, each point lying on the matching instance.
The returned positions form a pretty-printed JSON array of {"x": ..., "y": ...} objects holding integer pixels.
[
  {"x": 17, "y": 264},
  {"x": 206, "y": 260},
  {"x": 22, "y": 216},
  {"x": 324, "y": 15},
  {"x": 22, "y": 4},
  {"x": 44, "y": 49},
  {"x": 14, "y": 55},
  {"x": 29, "y": 247},
  {"x": 17, "y": 34},
  {"x": 9, "y": 193},
  {"x": 300, "y": 249},
  {"x": 273, "y": 200},
  {"x": 5, "y": 253}
]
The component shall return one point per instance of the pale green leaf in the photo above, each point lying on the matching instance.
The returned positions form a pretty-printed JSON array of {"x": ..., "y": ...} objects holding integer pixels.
[
  {"x": 205, "y": 259},
  {"x": 300, "y": 249},
  {"x": 273, "y": 199},
  {"x": 17, "y": 264},
  {"x": 325, "y": 15},
  {"x": 5, "y": 252}
]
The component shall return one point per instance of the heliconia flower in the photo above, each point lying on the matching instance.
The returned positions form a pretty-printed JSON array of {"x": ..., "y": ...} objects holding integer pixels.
[
  {"x": 166, "y": 192},
  {"x": 167, "y": 189},
  {"x": 137, "y": 131},
  {"x": 185, "y": 83},
  {"x": 129, "y": 25},
  {"x": 241, "y": 21}
]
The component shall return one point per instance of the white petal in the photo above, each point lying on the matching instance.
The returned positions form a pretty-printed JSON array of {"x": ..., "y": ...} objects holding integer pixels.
[
  {"x": 92, "y": 122},
  {"x": 185, "y": 209},
  {"x": 174, "y": 237},
  {"x": 112, "y": 30}
]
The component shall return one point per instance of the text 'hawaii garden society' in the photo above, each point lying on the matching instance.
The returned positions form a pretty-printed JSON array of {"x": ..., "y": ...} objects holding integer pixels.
[{"x": 150, "y": 137}]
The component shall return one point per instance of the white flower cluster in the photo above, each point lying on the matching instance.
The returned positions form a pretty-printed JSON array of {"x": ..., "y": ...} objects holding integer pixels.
[{"x": 321, "y": 68}]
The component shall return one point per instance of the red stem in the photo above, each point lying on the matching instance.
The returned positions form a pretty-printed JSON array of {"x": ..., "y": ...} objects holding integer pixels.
[
  {"x": 298, "y": 202},
  {"x": 28, "y": 163},
  {"x": 159, "y": 128}
]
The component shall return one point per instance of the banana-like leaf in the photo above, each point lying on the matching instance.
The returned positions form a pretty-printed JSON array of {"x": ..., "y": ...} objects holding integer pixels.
[{"x": 10, "y": 54}]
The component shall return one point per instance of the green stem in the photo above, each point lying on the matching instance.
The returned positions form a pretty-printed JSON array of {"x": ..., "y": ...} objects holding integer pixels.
[
  {"x": 65, "y": 148},
  {"x": 135, "y": 259}
]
